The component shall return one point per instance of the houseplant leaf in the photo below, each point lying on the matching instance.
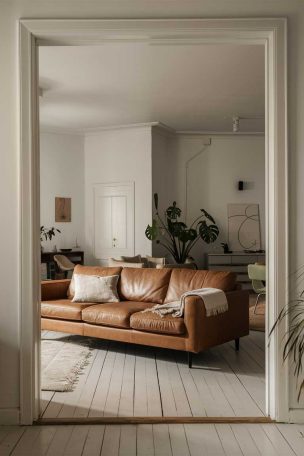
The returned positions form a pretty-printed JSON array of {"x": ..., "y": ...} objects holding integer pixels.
[
  {"x": 208, "y": 233},
  {"x": 208, "y": 216},
  {"x": 173, "y": 212},
  {"x": 188, "y": 235},
  {"x": 176, "y": 228},
  {"x": 156, "y": 201},
  {"x": 152, "y": 231}
]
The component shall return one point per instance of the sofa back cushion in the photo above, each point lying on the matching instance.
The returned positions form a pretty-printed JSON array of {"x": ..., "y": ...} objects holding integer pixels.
[
  {"x": 91, "y": 270},
  {"x": 144, "y": 285},
  {"x": 185, "y": 280}
]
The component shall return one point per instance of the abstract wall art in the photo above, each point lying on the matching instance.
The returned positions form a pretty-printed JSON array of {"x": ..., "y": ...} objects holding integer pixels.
[{"x": 244, "y": 232}]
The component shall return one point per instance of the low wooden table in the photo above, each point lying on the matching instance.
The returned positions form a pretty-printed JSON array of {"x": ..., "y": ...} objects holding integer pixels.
[{"x": 76, "y": 256}]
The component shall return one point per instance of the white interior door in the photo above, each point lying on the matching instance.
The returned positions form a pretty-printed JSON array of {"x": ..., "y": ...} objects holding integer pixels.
[{"x": 113, "y": 220}]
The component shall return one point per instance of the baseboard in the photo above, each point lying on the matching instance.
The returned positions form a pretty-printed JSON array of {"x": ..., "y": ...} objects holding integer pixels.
[
  {"x": 10, "y": 416},
  {"x": 154, "y": 420},
  {"x": 296, "y": 416}
]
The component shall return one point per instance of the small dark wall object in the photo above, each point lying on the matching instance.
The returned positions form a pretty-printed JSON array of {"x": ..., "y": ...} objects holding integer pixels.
[
  {"x": 225, "y": 247},
  {"x": 241, "y": 185}
]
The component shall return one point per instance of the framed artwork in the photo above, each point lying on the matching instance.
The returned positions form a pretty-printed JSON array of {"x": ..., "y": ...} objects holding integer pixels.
[
  {"x": 244, "y": 232},
  {"x": 62, "y": 209}
]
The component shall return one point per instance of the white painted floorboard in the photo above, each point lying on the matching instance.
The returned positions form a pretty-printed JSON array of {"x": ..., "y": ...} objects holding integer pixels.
[
  {"x": 130, "y": 380},
  {"x": 154, "y": 440}
]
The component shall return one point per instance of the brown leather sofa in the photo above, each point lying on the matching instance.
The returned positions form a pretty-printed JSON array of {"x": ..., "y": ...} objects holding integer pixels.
[{"x": 140, "y": 289}]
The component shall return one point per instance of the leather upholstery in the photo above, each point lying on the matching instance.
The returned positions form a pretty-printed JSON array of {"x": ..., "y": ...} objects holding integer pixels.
[
  {"x": 112, "y": 321},
  {"x": 135, "y": 337},
  {"x": 184, "y": 280},
  {"x": 204, "y": 332},
  {"x": 63, "y": 308},
  {"x": 54, "y": 289},
  {"x": 145, "y": 285},
  {"x": 92, "y": 270},
  {"x": 68, "y": 326},
  {"x": 152, "y": 322},
  {"x": 113, "y": 314}
]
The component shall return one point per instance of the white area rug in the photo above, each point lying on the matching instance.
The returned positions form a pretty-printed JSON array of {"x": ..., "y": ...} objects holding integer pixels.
[{"x": 62, "y": 362}]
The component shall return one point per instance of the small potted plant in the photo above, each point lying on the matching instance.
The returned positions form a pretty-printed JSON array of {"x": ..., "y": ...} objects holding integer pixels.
[{"x": 47, "y": 233}]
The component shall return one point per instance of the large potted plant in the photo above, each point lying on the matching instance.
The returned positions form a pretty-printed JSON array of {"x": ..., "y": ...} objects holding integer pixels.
[
  {"x": 175, "y": 236},
  {"x": 294, "y": 338}
]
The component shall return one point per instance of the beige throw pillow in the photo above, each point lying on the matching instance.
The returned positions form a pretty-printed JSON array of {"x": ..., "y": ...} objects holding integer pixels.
[{"x": 93, "y": 288}]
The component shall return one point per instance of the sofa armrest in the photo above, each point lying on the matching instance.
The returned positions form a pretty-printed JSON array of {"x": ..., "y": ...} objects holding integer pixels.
[
  {"x": 54, "y": 289},
  {"x": 204, "y": 332}
]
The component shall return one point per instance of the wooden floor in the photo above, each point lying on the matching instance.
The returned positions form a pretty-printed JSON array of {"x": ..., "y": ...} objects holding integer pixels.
[
  {"x": 154, "y": 440},
  {"x": 127, "y": 380}
]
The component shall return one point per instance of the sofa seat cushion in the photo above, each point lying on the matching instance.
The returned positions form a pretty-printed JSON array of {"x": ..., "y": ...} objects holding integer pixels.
[
  {"x": 151, "y": 322},
  {"x": 183, "y": 280},
  {"x": 64, "y": 309},
  {"x": 115, "y": 314}
]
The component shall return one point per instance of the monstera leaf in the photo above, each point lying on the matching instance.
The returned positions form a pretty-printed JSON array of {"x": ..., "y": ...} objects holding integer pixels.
[
  {"x": 176, "y": 228},
  {"x": 188, "y": 235},
  {"x": 208, "y": 233},
  {"x": 208, "y": 216},
  {"x": 152, "y": 231},
  {"x": 173, "y": 212}
]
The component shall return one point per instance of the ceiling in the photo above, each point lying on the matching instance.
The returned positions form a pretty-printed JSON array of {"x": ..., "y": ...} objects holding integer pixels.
[{"x": 187, "y": 87}]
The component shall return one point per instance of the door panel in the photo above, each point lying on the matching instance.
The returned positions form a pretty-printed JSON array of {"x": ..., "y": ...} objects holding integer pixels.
[
  {"x": 119, "y": 221},
  {"x": 113, "y": 220},
  {"x": 103, "y": 223}
]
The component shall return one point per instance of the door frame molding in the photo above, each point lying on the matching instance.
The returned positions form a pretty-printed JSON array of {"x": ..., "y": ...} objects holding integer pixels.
[{"x": 270, "y": 32}]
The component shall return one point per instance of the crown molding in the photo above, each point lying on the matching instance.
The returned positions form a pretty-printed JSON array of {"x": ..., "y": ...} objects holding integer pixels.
[
  {"x": 60, "y": 131},
  {"x": 219, "y": 133},
  {"x": 95, "y": 130},
  {"x": 161, "y": 127}
]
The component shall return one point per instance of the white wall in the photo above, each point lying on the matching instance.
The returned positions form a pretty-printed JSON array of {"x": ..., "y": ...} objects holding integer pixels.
[
  {"x": 120, "y": 155},
  {"x": 62, "y": 174},
  {"x": 11, "y": 12},
  {"x": 162, "y": 177}
]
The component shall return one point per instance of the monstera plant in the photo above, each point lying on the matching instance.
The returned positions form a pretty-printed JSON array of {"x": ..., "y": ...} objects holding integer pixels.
[{"x": 175, "y": 236}]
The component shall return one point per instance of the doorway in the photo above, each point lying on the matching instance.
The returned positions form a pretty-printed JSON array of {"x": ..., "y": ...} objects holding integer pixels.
[{"x": 276, "y": 206}]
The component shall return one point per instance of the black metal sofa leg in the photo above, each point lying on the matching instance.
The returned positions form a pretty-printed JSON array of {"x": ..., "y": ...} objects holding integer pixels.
[
  {"x": 237, "y": 344},
  {"x": 190, "y": 359}
]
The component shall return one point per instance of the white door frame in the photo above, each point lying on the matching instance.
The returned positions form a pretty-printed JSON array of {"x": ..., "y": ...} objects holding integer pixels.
[{"x": 272, "y": 33}]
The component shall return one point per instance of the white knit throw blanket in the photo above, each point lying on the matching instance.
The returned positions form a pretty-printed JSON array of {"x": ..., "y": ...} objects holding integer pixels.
[{"x": 214, "y": 299}]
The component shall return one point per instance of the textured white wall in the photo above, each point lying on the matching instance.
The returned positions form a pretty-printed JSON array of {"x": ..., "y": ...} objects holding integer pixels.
[
  {"x": 122, "y": 155},
  {"x": 10, "y": 13},
  {"x": 62, "y": 174}
]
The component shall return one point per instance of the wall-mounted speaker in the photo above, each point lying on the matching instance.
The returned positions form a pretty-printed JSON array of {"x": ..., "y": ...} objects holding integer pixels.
[{"x": 241, "y": 185}]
